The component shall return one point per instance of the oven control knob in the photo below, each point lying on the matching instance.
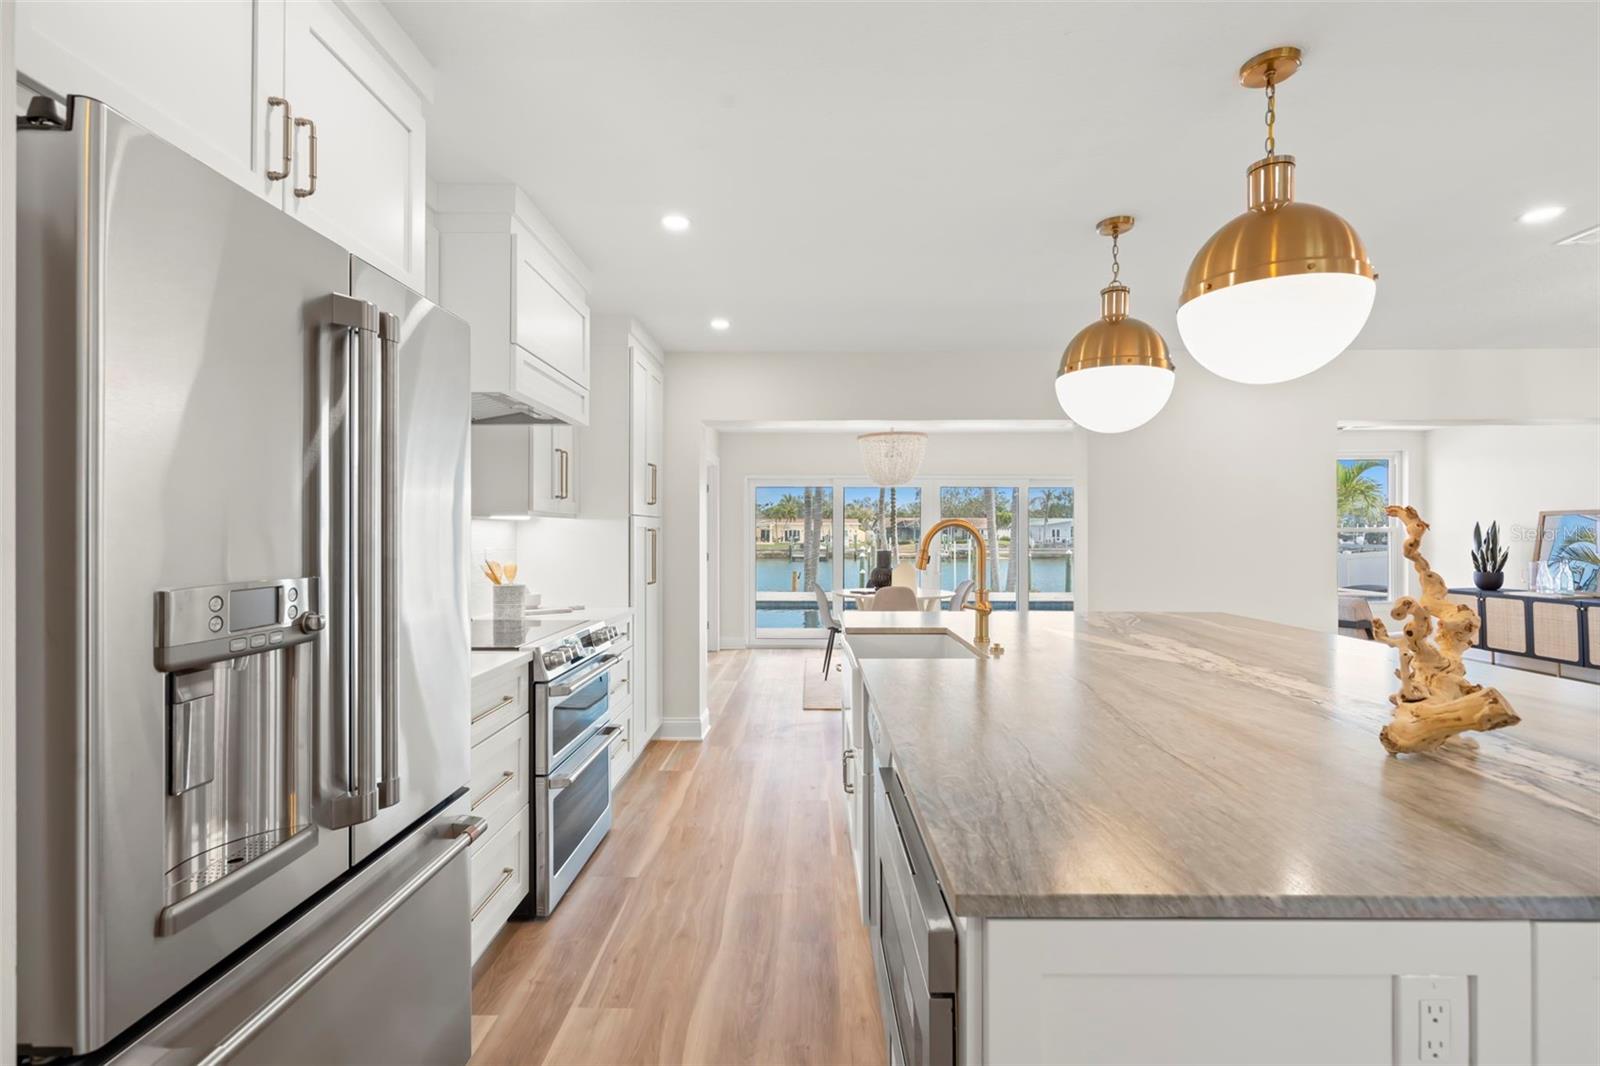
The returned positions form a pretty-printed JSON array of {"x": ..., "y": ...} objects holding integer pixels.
[{"x": 312, "y": 622}]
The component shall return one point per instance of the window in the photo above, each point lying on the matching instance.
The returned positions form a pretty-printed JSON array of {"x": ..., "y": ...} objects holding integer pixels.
[
  {"x": 880, "y": 519},
  {"x": 992, "y": 509},
  {"x": 1050, "y": 548},
  {"x": 793, "y": 550},
  {"x": 1363, "y": 488}
]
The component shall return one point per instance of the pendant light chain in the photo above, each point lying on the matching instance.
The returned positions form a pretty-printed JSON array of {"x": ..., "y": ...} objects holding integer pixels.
[
  {"x": 1116, "y": 263},
  {"x": 1272, "y": 115}
]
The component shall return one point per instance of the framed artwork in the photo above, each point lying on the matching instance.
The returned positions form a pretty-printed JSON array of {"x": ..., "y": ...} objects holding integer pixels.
[{"x": 1570, "y": 537}]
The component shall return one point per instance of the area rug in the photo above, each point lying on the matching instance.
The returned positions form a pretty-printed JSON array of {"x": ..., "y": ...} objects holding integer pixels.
[{"x": 822, "y": 693}]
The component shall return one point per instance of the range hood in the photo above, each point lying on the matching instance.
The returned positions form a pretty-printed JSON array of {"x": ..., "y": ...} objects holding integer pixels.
[{"x": 498, "y": 409}]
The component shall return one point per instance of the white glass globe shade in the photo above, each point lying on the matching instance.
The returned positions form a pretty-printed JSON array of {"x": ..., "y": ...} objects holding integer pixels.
[
  {"x": 1114, "y": 399},
  {"x": 1276, "y": 329}
]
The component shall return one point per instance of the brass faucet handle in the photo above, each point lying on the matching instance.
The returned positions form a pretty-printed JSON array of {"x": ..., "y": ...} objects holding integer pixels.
[{"x": 996, "y": 650}]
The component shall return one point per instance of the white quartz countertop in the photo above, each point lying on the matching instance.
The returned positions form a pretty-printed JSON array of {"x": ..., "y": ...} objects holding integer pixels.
[{"x": 487, "y": 662}]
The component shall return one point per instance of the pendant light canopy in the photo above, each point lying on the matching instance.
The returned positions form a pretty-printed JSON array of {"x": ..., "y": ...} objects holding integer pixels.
[
  {"x": 1285, "y": 287},
  {"x": 892, "y": 458},
  {"x": 1115, "y": 374}
]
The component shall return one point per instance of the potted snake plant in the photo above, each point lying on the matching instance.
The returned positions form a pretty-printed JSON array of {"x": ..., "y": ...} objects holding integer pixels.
[{"x": 1488, "y": 558}]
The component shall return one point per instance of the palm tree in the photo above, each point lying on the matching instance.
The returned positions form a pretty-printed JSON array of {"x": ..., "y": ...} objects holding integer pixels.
[
  {"x": 813, "y": 528},
  {"x": 1360, "y": 499},
  {"x": 894, "y": 527}
]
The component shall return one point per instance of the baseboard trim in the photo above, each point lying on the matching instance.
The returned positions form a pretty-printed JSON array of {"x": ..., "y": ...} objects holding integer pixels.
[{"x": 684, "y": 728}]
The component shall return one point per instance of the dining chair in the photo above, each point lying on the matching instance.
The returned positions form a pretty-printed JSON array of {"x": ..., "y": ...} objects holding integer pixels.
[
  {"x": 904, "y": 576},
  {"x": 895, "y": 598},
  {"x": 825, "y": 616},
  {"x": 958, "y": 598}
]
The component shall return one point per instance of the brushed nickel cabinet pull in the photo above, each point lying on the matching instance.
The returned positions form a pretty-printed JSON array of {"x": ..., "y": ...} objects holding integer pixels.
[
  {"x": 505, "y": 779},
  {"x": 481, "y": 715},
  {"x": 288, "y": 137},
  {"x": 506, "y": 874},
  {"x": 654, "y": 471},
  {"x": 652, "y": 580},
  {"x": 311, "y": 188}
]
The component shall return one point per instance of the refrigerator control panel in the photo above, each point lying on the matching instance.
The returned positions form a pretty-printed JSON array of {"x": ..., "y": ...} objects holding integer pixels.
[{"x": 210, "y": 623}]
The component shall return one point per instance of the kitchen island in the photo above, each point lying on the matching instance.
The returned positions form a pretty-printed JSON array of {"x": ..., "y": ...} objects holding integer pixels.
[{"x": 1144, "y": 825}]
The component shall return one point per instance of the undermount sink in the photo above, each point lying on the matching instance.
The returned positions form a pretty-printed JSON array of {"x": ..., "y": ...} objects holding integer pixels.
[{"x": 908, "y": 646}]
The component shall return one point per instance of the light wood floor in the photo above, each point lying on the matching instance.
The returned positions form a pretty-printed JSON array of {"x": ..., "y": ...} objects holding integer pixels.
[{"x": 718, "y": 922}]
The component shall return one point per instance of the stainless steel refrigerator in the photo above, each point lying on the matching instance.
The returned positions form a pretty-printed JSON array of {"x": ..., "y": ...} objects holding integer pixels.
[{"x": 242, "y": 657}]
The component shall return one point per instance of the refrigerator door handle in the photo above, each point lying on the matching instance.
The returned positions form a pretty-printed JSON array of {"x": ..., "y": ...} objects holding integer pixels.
[
  {"x": 355, "y": 590},
  {"x": 461, "y": 833},
  {"x": 389, "y": 346}
]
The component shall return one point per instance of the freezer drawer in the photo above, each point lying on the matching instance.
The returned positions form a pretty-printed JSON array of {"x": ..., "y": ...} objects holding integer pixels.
[{"x": 377, "y": 972}]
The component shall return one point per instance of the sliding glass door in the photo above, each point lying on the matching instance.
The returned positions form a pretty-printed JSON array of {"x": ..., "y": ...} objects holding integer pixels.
[
  {"x": 992, "y": 508},
  {"x": 831, "y": 532},
  {"x": 793, "y": 552},
  {"x": 1050, "y": 547}
]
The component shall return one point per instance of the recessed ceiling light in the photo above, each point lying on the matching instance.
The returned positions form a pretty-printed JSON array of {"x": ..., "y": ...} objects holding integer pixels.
[
  {"x": 720, "y": 324},
  {"x": 1545, "y": 213},
  {"x": 674, "y": 223}
]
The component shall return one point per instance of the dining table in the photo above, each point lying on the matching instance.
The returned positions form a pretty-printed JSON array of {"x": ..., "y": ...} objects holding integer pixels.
[{"x": 926, "y": 600}]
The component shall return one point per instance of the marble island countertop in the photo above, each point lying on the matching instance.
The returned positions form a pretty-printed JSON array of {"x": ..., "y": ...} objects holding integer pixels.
[{"x": 1213, "y": 766}]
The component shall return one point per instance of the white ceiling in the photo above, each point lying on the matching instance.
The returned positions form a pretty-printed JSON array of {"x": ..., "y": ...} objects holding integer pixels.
[{"x": 920, "y": 176}]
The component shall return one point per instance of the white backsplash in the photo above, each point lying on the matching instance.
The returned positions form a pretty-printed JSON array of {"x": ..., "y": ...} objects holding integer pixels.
[{"x": 563, "y": 560}]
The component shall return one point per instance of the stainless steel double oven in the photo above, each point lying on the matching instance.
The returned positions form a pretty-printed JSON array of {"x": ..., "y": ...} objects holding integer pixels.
[{"x": 571, "y": 759}]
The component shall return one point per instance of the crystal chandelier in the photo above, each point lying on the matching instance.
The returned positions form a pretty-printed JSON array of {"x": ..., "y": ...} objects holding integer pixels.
[{"x": 892, "y": 458}]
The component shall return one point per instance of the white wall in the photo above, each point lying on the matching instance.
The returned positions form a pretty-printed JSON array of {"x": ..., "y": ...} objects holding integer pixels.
[
  {"x": 1265, "y": 455},
  {"x": 975, "y": 457},
  {"x": 1505, "y": 474},
  {"x": 1262, "y": 455}
]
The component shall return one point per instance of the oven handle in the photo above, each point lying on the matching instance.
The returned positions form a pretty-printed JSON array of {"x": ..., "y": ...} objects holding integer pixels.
[
  {"x": 568, "y": 687},
  {"x": 557, "y": 782}
]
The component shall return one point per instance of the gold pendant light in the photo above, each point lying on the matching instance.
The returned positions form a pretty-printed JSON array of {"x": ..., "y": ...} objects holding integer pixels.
[
  {"x": 1115, "y": 374},
  {"x": 1285, "y": 287}
]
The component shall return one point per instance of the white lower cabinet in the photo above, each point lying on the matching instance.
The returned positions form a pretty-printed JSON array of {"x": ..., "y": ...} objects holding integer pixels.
[
  {"x": 499, "y": 877},
  {"x": 499, "y": 788},
  {"x": 1278, "y": 992}
]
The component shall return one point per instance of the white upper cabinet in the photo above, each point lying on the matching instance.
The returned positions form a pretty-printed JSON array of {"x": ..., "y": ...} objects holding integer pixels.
[
  {"x": 624, "y": 441},
  {"x": 524, "y": 471},
  {"x": 646, "y": 393},
  {"x": 242, "y": 84},
  {"x": 504, "y": 269},
  {"x": 368, "y": 187},
  {"x": 551, "y": 324},
  {"x": 197, "y": 75}
]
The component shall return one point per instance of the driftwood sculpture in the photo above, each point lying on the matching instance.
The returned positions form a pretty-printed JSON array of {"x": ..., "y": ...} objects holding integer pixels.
[{"x": 1435, "y": 701}]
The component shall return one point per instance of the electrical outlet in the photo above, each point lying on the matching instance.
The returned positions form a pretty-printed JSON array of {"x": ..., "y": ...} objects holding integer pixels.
[
  {"x": 1433, "y": 1030},
  {"x": 1432, "y": 1023}
]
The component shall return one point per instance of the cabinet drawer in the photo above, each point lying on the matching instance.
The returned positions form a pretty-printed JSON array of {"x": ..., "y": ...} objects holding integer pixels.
[
  {"x": 498, "y": 787},
  {"x": 497, "y": 699},
  {"x": 622, "y": 753},
  {"x": 622, "y": 679},
  {"x": 499, "y": 879}
]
